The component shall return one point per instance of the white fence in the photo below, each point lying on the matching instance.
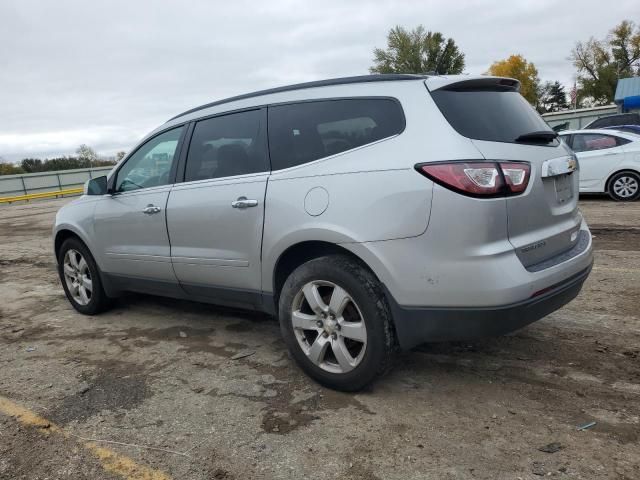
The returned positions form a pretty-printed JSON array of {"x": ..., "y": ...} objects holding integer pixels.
[{"x": 27, "y": 183}]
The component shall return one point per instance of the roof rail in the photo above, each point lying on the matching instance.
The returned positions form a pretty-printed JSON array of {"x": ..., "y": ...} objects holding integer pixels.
[{"x": 385, "y": 77}]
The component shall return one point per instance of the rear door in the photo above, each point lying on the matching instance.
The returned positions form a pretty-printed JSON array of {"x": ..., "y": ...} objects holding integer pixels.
[
  {"x": 544, "y": 220},
  {"x": 215, "y": 216}
]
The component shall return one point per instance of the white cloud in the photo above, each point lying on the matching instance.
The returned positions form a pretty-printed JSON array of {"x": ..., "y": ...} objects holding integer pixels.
[
  {"x": 105, "y": 73},
  {"x": 107, "y": 140}
]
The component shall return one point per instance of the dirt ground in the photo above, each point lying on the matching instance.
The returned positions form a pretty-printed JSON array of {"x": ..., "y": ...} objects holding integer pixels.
[{"x": 200, "y": 392}]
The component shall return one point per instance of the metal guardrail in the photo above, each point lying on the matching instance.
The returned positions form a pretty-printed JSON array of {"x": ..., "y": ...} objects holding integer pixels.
[
  {"x": 34, "y": 196},
  {"x": 42, "y": 182}
]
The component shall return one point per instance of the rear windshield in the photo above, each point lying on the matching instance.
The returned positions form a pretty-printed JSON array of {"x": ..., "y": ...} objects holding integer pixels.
[{"x": 496, "y": 116}]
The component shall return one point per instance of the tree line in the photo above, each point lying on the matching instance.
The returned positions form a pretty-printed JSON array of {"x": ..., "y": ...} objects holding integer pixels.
[
  {"x": 85, "y": 157},
  {"x": 598, "y": 63}
]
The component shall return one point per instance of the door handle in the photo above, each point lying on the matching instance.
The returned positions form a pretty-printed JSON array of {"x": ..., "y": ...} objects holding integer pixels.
[
  {"x": 151, "y": 209},
  {"x": 243, "y": 202}
]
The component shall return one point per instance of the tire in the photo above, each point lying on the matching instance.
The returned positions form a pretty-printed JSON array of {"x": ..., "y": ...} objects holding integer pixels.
[
  {"x": 80, "y": 278},
  {"x": 624, "y": 186},
  {"x": 343, "y": 338}
]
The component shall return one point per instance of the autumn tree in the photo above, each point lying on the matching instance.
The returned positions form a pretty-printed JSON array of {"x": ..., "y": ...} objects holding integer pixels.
[
  {"x": 517, "y": 67},
  {"x": 418, "y": 51},
  {"x": 600, "y": 63},
  {"x": 624, "y": 41}
]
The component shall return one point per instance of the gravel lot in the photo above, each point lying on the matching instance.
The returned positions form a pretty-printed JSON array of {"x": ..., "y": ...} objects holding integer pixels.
[{"x": 199, "y": 392}]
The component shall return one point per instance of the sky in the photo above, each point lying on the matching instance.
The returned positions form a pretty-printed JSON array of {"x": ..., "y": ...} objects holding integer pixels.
[{"x": 105, "y": 73}]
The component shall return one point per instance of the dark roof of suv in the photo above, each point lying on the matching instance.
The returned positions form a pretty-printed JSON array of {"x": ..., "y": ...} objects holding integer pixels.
[{"x": 319, "y": 83}]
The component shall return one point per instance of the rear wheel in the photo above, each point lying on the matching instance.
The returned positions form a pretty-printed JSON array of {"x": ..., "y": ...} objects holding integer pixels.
[
  {"x": 624, "y": 186},
  {"x": 336, "y": 322},
  {"x": 80, "y": 278}
]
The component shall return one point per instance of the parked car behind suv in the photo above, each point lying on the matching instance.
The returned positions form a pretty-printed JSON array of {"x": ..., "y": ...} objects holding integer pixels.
[
  {"x": 609, "y": 162},
  {"x": 635, "y": 129},
  {"x": 614, "y": 121},
  {"x": 367, "y": 213}
]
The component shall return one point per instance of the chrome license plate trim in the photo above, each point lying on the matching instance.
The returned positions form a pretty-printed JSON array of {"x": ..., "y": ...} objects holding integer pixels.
[{"x": 559, "y": 166}]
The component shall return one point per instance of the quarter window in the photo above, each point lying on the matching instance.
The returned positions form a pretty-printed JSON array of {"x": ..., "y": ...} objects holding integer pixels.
[
  {"x": 304, "y": 132},
  {"x": 150, "y": 165},
  {"x": 228, "y": 145}
]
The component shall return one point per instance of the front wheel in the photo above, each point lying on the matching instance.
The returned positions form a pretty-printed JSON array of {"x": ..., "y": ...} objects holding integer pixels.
[
  {"x": 336, "y": 322},
  {"x": 624, "y": 186},
  {"x": 80, "y": 278}
]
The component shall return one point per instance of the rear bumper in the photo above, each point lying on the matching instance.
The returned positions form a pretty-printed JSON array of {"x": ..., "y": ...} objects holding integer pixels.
[{"x": 416, "y": 325}]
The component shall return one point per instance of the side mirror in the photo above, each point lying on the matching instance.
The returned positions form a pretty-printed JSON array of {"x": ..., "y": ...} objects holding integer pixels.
[{"x": 96, "y": 186}]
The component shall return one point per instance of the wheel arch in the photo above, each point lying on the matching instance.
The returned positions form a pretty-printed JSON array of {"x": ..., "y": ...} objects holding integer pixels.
[
  {"x": 63, "y": 234},
  {"x": 301, "y": 252}
]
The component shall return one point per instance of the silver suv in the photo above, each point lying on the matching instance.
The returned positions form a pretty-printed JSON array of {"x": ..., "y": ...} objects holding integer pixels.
[{"x": 368, "y": 213}]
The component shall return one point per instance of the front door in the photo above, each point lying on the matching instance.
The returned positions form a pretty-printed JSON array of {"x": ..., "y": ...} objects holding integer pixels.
[
  {"x": 130, "y": 223},
  {"x": 215, "y": 216}
]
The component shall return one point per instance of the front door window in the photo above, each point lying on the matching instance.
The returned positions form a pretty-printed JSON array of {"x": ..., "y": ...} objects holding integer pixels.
[{"x": 150, "y": 165}]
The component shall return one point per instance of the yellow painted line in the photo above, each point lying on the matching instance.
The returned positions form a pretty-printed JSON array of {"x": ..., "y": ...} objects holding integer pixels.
[
  {"x": 33, "y": 196},
  {"x": 111, "y": 461}
]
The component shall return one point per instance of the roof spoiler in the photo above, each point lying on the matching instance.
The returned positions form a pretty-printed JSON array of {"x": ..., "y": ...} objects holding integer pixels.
[{"x": 499, "y": 84}]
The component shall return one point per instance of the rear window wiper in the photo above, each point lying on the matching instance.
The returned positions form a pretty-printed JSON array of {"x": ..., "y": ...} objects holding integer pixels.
[{"x": 539, "y": 136}]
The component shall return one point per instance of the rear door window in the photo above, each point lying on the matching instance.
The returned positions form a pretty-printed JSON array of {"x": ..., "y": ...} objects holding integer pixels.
[
  {"x": 588, "y": 142},
  {"x": 228, "y": 145},
  {"x": 492, "y": 115},
  {"x": 303, "y": 132}
]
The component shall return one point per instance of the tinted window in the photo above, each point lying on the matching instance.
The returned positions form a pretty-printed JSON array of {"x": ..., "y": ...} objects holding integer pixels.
[
  {"x": 614, "y": 120},
  {"x": 303, "y": 132},
  {"x": 150, "y": 165},
  {"x": 635, "y": 130},
  {"x": 229, "y": 145},
  {"x": 498, "y": 116},
  {"x": 587, "y": 142}
]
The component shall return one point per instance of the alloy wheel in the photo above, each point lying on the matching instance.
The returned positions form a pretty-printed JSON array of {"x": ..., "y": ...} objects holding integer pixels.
[
  {"x": 626, "y": 186},
  {"x": 329, "y": 326},
  {"x": 77, "y": 276}
]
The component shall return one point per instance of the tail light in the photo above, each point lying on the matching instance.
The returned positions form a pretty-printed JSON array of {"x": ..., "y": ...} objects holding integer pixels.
[
  {"x": 479, "y": 179},
  {"x": 516, "y": 176}
]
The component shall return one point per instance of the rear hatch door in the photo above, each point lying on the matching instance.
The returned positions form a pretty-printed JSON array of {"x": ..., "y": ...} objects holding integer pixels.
[{"x": 544, "y": 221}]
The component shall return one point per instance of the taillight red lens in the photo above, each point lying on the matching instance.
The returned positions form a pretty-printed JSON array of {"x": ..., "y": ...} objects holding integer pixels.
[
  {"x": 479, "y": 179},
  {"x": 474, "y": 178}
]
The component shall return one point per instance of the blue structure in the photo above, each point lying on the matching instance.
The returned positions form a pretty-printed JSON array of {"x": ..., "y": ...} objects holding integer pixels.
[{"x": 628, "y": 94}]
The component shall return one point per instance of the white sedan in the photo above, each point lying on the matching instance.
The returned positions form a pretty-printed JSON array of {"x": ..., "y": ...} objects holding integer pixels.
[{"x": 609, "y": 161}]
